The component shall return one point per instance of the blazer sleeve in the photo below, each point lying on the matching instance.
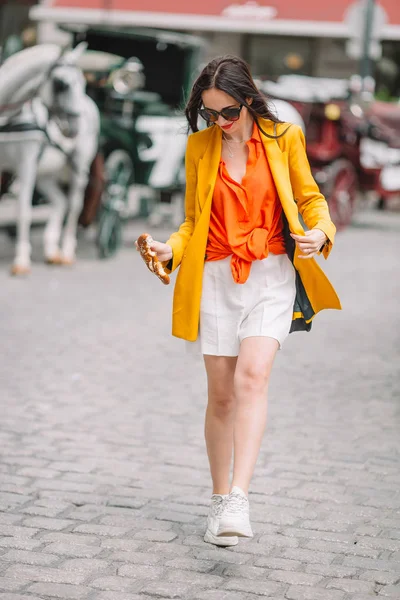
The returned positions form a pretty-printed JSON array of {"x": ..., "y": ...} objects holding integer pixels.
[
  {"x": 180, "y": 239},
  {"x": 310, "y": 202}
]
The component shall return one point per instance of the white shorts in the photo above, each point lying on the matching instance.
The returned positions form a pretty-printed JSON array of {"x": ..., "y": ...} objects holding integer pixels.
[{"x": 262, "y": 306}]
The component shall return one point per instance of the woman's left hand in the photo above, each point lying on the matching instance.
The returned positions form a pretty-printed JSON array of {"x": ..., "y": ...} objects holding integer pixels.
[{"x": 310, "y": 243}]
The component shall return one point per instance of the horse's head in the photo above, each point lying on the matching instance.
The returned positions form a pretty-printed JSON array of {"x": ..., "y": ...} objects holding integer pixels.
[{"x": 64, "y": 91}]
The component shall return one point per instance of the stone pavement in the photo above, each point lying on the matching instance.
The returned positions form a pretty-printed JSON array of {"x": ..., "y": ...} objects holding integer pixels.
[{"x": 104, "y": 484}]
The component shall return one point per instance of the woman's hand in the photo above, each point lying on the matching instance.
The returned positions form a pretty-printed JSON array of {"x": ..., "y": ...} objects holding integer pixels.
[
  {"x": 163, "y": 251},
  {"x": 309, "y": 243}
]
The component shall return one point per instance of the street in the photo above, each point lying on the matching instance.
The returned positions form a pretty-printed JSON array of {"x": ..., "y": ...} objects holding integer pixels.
[{"x": 104, "y": 476}]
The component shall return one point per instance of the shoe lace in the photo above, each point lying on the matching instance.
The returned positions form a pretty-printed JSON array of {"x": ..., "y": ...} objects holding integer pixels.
[
  {"x": 218, "y": 504},
  {"x": 237, "y": 503}
]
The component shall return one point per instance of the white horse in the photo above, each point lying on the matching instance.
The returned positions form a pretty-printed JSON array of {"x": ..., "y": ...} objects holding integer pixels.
[{"x": 56, "y": 130}]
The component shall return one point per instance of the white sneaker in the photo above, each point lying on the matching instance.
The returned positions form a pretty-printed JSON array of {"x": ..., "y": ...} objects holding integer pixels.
[
  {"x": 216, "y": 508},
  {"x": 235, "y": 519}
]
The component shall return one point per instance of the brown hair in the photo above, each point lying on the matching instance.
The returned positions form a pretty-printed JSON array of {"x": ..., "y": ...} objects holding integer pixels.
[{"x": 231, "y": 75}]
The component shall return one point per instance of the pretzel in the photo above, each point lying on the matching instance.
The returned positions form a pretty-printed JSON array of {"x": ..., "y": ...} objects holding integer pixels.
[{"x": 144, "y": 242}]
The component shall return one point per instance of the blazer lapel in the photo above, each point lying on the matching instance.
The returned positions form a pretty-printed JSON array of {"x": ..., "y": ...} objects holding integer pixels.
[
  {"x": 208, "y": 166},
  {"x": 278, "y": 163}
]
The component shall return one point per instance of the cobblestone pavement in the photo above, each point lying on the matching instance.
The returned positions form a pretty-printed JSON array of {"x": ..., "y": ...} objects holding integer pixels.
[{"x": 104, "y": 479}]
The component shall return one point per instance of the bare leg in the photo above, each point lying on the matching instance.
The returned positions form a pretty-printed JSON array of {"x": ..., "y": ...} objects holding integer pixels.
[
  {"x": 220, "y": 419},
  {"x": 252, "y": 374}
]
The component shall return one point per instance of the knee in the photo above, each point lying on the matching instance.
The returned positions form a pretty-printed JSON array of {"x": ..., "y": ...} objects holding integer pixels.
[
  {"x": 250, "y": 381},
  {"x": 220, "y": 403}
]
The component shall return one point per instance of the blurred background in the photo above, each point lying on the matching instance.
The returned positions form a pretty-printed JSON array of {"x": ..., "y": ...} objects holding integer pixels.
[
  {"x": 335, "y": 70},
  {"x": 275, "y": 38}
]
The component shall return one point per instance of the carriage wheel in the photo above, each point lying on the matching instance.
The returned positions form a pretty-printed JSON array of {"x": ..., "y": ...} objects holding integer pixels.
[
  {"x": 109, "y": 236},
  {"x": 343, "y": 196},
  {"x": 118, "y": 168},
  {"x": 119, "y": 172}
]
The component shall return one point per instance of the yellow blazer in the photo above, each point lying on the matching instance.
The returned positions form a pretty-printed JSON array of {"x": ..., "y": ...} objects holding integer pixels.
[{"x": 297, "y": 192}]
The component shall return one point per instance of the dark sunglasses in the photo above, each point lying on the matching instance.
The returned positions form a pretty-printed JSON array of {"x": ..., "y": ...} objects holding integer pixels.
[{"x": 229, "y": 113}]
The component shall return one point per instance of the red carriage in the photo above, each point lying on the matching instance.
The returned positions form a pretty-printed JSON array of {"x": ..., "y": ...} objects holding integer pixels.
[{"x": 342, "y": 127}]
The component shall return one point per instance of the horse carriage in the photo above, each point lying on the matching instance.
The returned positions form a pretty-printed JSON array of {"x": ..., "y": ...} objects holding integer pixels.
[
  {"x": 348, "y": 145},
  {"x": 133, "y": 141},
  {"x": 143, "y": 131}
]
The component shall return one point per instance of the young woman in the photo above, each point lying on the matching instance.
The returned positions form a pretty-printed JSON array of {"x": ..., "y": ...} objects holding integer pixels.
[{"x": 247, "y": 275}]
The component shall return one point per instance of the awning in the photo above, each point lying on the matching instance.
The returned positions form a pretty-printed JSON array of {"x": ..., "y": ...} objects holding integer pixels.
[{"x": 279, "y": 17}]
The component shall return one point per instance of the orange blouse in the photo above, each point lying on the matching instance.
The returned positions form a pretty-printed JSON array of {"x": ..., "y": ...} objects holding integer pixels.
[{"x": 246, "y": 218}]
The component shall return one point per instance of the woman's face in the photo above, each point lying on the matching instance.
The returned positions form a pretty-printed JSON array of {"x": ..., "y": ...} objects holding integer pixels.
[{"x": 217, "y": 100}]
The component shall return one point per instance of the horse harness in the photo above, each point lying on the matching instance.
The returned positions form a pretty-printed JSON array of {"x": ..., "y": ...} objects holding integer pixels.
[{"x": 13, "y": 126}]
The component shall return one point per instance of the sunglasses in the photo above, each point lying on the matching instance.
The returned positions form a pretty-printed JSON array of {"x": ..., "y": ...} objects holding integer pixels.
[{"x": 229, "y": 113}]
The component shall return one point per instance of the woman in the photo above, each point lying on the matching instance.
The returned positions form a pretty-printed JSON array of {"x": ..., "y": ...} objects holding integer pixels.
[{"x": 247, "y": 275}]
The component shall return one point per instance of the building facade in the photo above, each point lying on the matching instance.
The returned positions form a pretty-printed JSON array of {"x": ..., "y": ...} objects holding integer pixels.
[{"x": 275, "y": 36}]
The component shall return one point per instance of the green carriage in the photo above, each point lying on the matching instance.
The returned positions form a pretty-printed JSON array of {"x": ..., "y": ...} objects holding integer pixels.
[{"x": 139, "y": 79}]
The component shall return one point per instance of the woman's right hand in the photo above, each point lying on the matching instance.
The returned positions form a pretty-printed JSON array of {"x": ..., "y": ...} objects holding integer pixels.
[{"x": 163, "y": 251}]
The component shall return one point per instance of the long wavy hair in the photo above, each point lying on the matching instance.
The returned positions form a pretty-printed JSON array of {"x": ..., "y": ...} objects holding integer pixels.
[{"x": 231, "y": 75}]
